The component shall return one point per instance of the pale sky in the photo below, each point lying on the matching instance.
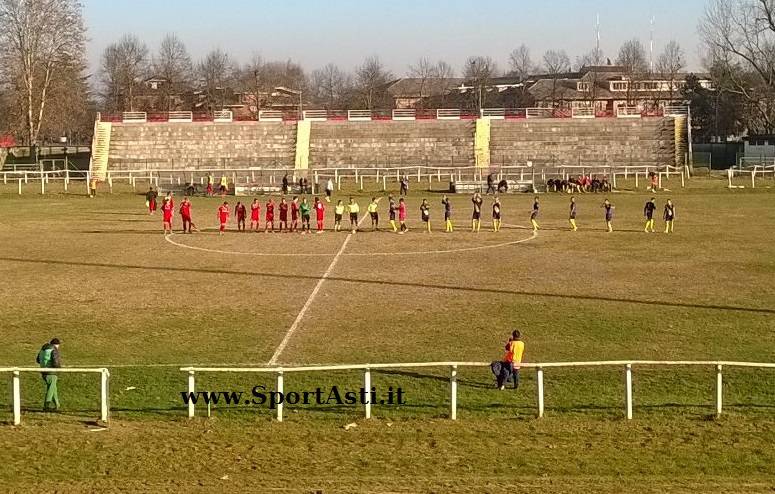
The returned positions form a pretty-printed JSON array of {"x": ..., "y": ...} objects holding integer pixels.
[{"x": 316, "y": 32}]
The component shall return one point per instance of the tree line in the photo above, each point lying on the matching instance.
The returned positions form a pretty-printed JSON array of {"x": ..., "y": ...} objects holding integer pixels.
[{"x": 46, "y": 90}]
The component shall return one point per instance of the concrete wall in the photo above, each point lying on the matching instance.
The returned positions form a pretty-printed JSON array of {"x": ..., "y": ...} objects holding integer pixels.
[
  {"x": 617, "y": 141},
  {"x": 392, "y": 143},
  {"x": 180, "y": 145}
]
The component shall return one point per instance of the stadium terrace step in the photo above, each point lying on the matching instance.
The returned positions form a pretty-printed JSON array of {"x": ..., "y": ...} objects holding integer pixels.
[{"x": 389, "y": 144}]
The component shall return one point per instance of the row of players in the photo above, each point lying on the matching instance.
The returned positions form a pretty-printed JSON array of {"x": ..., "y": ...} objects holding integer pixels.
[{"x": 302, "y": 210}]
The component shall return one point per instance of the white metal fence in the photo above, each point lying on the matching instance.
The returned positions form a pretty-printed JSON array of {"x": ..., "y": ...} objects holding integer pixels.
[
  {"x": 627, "y": 367},
  {"x": 16, "y": 386},
  {"x": 173, "y": 178},
  {"x": 753, "y": 172},
  {"x": 361, "y": 176}
]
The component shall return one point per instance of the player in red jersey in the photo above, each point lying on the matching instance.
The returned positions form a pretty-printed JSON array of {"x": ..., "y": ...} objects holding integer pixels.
[
  {"x": 269, "y": 216},
  {"x": 255, "y": 215},
  {"x": 185, "y": 214},
  {"x": 242, "y": 213},
  {"x": 223, "y": 216},
  {"x": 402, "y": 216},
  {"x": 283, "y": 207},
  {"x": 167, "y": 210},
  {"x": 320, "y": 211},
  {"x": 294, "y": 213}
]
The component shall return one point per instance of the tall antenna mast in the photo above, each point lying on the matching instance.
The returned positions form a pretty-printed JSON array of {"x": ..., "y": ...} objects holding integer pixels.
[
  {"x": 597, "y": 44},
  {"x": 651, "y": 46}
]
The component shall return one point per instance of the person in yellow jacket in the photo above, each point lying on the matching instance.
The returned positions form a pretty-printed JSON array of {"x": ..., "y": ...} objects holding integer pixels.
[{"x": 515, "y": 348}]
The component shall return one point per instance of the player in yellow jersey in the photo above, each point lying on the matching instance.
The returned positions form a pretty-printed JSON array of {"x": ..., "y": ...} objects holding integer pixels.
[
  {"x": 338, "y": 213},
  {"x": 572, "y": 215},
  {"x": 372, "y": 209},
  {"x": 534, "y": 214},
  {"x": 447, "y": 214},
  {"x": 354, "y": 209},
  {"x": 496, "y": 214}
]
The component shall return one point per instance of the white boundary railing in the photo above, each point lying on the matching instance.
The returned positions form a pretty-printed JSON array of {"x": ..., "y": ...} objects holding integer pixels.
[
  {"x": 181, "y": 116},
  {"x": 270, "y": 116},
  {"x": 382, "y": 175},
  {"x": 17, "y": 395},
  {"x": 359, "y": 115},
  {"x": 493, "y": 113},
  {"x": 447, "y": 114},
  {"x": 628, "y": 112},
  {"x": 583, "y": 113},
  {"x": 134, "y": 117},
  {"x": 243, "y": 176},
  {"x": 673, "y": 111},
  {"x": 224, "y": 116},
  {"x": 762, "y": 171},
  {"x": 626, "y": 365},
  {"x": 538, "y": 112},
  {"x": 315, "y": 115},
  {"x": 404, "y": 114}
]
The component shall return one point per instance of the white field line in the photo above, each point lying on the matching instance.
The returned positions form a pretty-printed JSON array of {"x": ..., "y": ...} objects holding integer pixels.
[
  {"x": 169, "y": 239},
  {"x": 311, "y": 298}
]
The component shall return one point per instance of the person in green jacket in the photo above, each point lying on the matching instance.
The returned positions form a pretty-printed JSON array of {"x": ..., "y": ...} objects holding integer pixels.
[
  {"x": 48, "y": 358},
  {"x": 305, "y": 208}
]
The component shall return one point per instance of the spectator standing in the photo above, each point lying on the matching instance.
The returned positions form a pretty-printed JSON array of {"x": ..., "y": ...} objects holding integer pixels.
[{"x": 49, "y": 358}]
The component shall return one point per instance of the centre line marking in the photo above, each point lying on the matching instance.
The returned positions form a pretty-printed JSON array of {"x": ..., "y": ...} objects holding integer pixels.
[{"x": 311, "y": 298}]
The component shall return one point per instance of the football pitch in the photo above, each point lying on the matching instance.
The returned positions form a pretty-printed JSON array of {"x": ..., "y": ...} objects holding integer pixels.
[{"x": 98, "y": 274}]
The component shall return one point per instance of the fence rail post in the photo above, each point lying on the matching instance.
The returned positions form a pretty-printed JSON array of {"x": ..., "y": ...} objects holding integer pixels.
[
  {"x": 453, "y": 393},
  {"x": 628, "y": 389},
  {"x": 540, "y": 390},
  {"x": 719, "y": 390},
  {"x": 17, "y": 399},
  {"x": 191, "y": 390},
  {"x": 280, "y": 392},
  {"x": 367, "y": 387},
  {"x": 104, "y": 375}
]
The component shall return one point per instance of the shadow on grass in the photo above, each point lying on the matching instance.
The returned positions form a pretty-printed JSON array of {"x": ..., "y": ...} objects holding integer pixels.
[
  {"x": 498, "y": 291},
  {"x": 155, "y": 231},
  {"x": 462, "y": 382}
]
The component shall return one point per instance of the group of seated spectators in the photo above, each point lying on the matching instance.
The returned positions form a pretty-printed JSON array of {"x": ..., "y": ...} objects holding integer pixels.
[{"x": 578, "y": 185}]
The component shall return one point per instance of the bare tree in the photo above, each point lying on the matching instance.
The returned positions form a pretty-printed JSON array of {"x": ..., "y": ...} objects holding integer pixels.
[
  {"x": 632, "y": 57},
  {"x": 479, "y": 71},
  {"x": 251, "y": 81},
  {"x": 443, "y": 74},
  {"x": 173, "y": 64},
  {"x": 371, "y": 80},
  {"x": 425, "y": 72},
  {"x": 520, "y": 63},
  {"x": 215, "y": 72},
  {"x": 556, "y": 63},
  {"x": 123, "y": 67},
  {"x": 669, "y": 66},
  {"x": 331, "y": 87},
  {"x": 41, "y": 42},
  {"x": 740, "y": 38},
  {"x": 593, "y": 57}
]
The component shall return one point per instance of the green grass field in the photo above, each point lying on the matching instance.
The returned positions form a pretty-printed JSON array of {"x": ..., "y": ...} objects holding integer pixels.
[{"x": 98, "y": 274}]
